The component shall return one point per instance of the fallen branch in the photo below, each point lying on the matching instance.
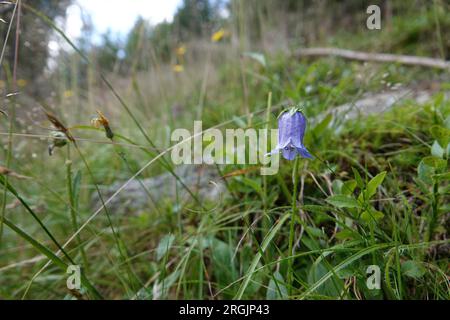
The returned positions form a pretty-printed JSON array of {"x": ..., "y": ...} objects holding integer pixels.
[{"x": 379, "y": 57}]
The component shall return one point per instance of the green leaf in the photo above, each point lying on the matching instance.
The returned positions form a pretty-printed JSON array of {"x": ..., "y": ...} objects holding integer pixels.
[
  {"x": 441, "y": 134},
  {"x": 442, "y": 176},
  {"x": 315, "y": 232},
  {"x": 435, "y": 163},
  {"x": 331, "y": 287},
  {"x": 258, "y": 57},
  {"x": 316, "y": 208},
  {"x": 239, "y": 122},
  {"x": 429, "y": 167},
  {"x": 373, "y": 184},
  {"x": 358, "y": 178},
  {"x": 447, "y": 122},
  {"x": 247, "y": 253},
  {"x": 50, "y": 255},
  {"x": 341, "y": 265},
  {"x": 348, "y": 187},
  {"x": 413, "y": 269},
  {"x": 437, "y": 150},
  {"x": 255, "y": 185},
  {"x": 345, "y": 234},
  {"x": 371, "y": 215},
  {"x": 337, "y": 186},
  {"x": 224, "y": 266},
  {"x": 267, "y": 240},
  {"x": 76, "y": 186},
  {"x": 164, "y": 246},
  {"x": 161, "y": 289},
  {"x": 320, "y": 128},
  {"x": 342, "y": 201},
  {"x": 11, "y": 189},
  {"x": 276, "y": 290},
  {"x": 425, "y": 173}
]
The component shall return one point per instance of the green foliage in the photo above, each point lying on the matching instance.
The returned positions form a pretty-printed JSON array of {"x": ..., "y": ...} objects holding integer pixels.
[
  {"x": 193, "y": 18},
  {"x": 36, "y": 42}
]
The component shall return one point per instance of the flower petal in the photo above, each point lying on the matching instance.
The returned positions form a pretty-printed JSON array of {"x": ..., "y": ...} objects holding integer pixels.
[
  {"x": 274, "y": 151},
  {"x": 304, "y": 153},
  {"x": 298, "y": 129},
  {"x": 291, "y": 128},
  {"x": 290, "y": 153}
]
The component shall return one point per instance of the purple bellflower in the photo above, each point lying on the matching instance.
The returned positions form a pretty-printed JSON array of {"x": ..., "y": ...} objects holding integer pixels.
[{"x": 291, "y": 129}]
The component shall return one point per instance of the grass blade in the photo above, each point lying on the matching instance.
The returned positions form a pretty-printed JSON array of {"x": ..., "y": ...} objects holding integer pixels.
[{"x": 258, "y": 256}]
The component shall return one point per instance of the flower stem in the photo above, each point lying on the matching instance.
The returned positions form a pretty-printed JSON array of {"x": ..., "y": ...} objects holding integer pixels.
[
  {"x": 72, "y": 208},
  {"x": 290, "y": 280},
  {"x": 266, "y": 220},
  {"x": 434, "y": 213}
]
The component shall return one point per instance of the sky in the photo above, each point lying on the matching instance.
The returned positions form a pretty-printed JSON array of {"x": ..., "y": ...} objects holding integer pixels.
[{"x": 117, "y": 15}]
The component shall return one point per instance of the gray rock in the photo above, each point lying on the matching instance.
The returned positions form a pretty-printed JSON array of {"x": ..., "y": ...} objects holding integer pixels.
[
  {"x": 379, "y": 103},
  {"x": 140, "y": 195}
]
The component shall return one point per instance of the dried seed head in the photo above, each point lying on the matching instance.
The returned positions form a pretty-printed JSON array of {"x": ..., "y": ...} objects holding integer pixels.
[
  {"x": 101, "y": 120},
  {"x": 57, "y": 140},
  {"x": 95, "y": 122},
  {"x": 58, "y": 125}
]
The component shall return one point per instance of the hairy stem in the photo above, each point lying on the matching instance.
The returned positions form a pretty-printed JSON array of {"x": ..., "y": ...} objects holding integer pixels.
[{"x": 292, "y": 226}]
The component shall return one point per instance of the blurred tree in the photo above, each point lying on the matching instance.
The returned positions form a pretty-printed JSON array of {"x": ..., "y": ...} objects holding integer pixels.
[
  {"x": 107, "y": 53},
  {"x": 162, "y": 41},
  {"x": 136, "y": 45},
  {"x": 193, "y": 19},
  {"x": 34, "y": 38}
]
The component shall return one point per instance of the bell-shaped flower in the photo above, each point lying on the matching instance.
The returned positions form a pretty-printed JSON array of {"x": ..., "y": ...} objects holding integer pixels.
[{"x": 291, "y": 129}]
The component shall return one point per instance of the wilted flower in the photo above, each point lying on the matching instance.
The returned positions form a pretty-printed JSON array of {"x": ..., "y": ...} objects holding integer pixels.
[
  {"x": 101, "y": 120},
  {"x": 59, "y": 125},
  {"x": 57, "y": 140},
  {"x": 291, "y": 129}
]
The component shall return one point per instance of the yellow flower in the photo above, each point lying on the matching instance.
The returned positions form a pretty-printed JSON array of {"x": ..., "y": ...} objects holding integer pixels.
[
  {"x": 21, "y": 83},
  {"x": 68, "y": 93},
  {"x": 178, "y": 68},
  {"x": 181, "y": 50},
  {"x": 219, "y": 35}
]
